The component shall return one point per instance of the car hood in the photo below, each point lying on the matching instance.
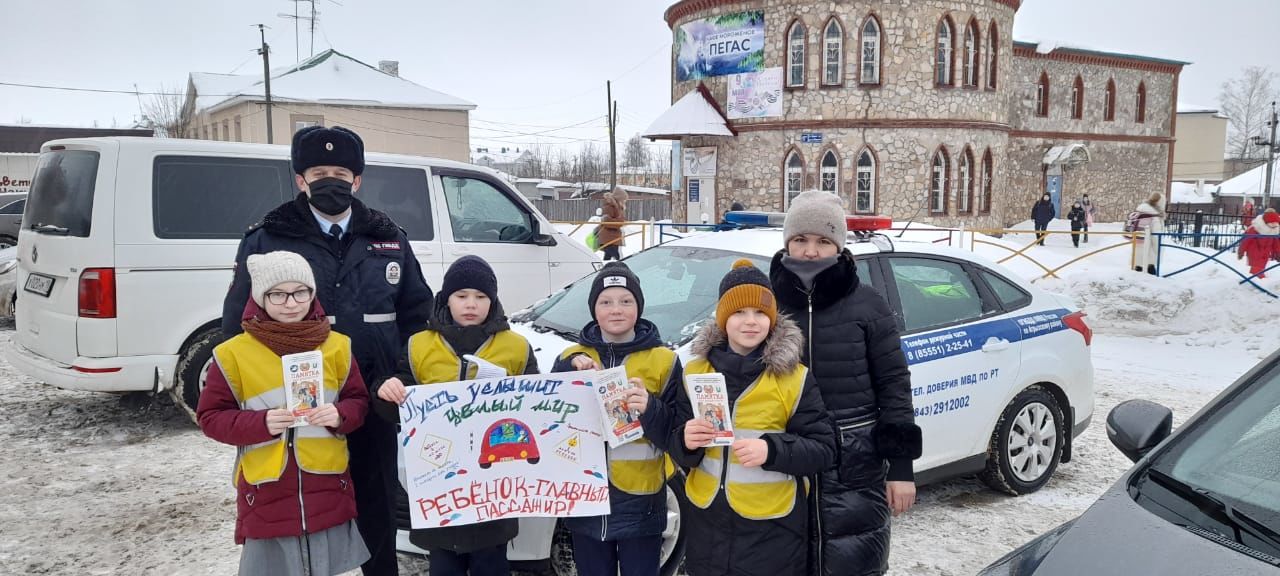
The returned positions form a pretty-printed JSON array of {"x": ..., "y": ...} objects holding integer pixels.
[
  {"x": 547, "y": 346},
  {"x": 1117, "y": 536}
]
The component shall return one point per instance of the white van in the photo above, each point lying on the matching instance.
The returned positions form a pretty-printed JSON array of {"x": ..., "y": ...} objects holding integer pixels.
[{"x": 127, "y": 248}]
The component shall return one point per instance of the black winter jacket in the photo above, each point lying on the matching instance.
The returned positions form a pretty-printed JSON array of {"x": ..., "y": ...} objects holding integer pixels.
[
  {"x": 1043, "y": 212},
  {"x": 720, "y": 542},
  {"x": 1077, "y": 217},
  {"x": 630, "y": 516},
  {"x": 464, "y": 340},
  {"x": 854, "y": 351}
]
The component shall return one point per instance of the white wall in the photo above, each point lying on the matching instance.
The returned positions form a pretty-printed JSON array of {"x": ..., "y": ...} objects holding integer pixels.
[{"x": 16, "y": 171}]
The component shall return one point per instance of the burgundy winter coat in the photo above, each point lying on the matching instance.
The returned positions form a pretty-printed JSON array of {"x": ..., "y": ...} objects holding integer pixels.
[{"x": 274, "y": 509}]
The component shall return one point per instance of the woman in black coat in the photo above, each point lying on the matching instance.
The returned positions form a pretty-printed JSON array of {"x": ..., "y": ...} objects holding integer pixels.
[
  {"x": 854, "y": 352},
  {"x": 1043, "y": 213},
  {"x": 1078, "y": 218}
]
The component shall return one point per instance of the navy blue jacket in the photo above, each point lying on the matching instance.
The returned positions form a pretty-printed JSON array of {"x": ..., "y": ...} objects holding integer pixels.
[
  {"x": 372, "y": 287},
  {"x": 630, "y": 516}
]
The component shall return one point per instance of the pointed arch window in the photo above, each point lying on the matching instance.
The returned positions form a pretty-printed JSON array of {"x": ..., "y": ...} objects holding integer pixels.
[
  {"x": 833, "y": 54},
  {"x": 943, "y": 54},
  {"x": 830, "y": 170},
  {"x": 795, "y": 55},
  {"x": 1140, "y": 104},
  {"x": 794, "y": 176},
  {"x": 939, "y": 182},
  {"x": 864, "y": 201},
  {"x": 970, "y": 55},
  {"x": 1042, "y": 95},
  {"x": 1077, "y": 99},
  {"x": 964, "y": 195},
  {"x": 1109, "y": 102},
  {"x": 870, "y": 68},
  {"x": 984, "y": 185},
  {"x": 993, "y": 55}
]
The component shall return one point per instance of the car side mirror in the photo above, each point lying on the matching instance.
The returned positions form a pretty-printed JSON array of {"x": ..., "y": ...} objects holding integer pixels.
[
  {"x": 544, "y": 240},
  {"x": 1137, "y": 426}
]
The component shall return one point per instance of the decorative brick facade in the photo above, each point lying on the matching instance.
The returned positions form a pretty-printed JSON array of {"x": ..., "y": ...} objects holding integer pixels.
[{"x": 907, "y": 118}]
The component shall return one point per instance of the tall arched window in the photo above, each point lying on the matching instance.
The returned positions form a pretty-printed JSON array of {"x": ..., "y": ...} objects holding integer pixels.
[
  {"x": 1140, "y": 104},
  {"x": 795, "y": 55},
  {"x": 864, "y": 199},
  {"x": 830, "y": 169},
  {"x": 971, "y": 54},
  {"x": 964, "y": 195},
  {"x": 993, "y": 55},
  {"x": 794, "y": 177},
  {"x": 939, "y": 182},
  {"x": 1109, "y": 102},
  {"x": 870, "y": 67},
  {"x": 1042, "y": 95},
  {"x": 1077, "y": 99},
  {"x": 984, "y": 186},
  {"x": 833, "y": 54},
  {"x": 942, "y": 63}
]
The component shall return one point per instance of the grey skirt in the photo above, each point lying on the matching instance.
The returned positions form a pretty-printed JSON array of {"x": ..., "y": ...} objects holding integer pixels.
[{"x": 333, "y": 551}]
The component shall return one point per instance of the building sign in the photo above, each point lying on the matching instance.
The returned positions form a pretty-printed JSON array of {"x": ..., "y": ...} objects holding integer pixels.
[
  {"x": 755, "y": 94},
  {"x": 726, "y": 44},
  {"x": 700, "y": 162},
  {"x": 811, "y": 137},
  {"x": 695, "y": 191}
]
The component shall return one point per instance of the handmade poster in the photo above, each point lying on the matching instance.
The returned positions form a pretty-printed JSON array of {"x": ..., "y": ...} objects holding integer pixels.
[
  {"x": 710, "y": 399},
  {"x": 303, "y": 384},
  {"x": 620, "y": 424},
  {"x": 508, "y": 447}
]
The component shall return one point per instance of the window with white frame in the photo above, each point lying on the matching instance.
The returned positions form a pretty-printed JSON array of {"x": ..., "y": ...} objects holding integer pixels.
[
  {"x": 1109, "y": 102},
  {"x": 865, "y": 199},
  {"x": 984, "y": 189},
  {"x": 942, "y": 61},
  {"x": 938, "y": 183},
  {"x": 993, "y": 53},
  {"x": 870, "y": 73},
  {"x": 833, "y": 54},
  {"x": 831, "y": 172},
  {"x": 795, "y": 176},
  {"x": 795, "y": 55},
  {"x": 965, "y": 194},
  {"x": 971, "y": 55},
  {"x": 1042, "y": 95},
  {"x": 1077, "y": 99}
]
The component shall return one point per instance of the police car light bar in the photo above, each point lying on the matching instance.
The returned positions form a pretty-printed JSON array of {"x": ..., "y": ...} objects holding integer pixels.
[{"x": 852, "y": 223}]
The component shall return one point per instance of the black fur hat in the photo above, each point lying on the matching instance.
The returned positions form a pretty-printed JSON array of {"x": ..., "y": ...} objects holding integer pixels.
[{"x": 320, "y": 146}]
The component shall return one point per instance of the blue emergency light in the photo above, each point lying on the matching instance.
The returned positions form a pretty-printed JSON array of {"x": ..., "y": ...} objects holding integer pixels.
[{"x": 854, "y": 223}]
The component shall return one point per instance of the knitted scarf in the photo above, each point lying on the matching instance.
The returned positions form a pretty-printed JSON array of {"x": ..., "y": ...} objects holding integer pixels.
[{"x": 288, "y": 338}]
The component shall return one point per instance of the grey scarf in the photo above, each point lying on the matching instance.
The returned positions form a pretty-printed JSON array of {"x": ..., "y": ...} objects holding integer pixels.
[{"x": 808, "y": 270}]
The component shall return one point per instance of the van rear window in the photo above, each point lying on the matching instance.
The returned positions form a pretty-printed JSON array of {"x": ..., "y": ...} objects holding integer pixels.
[
  {"x": 61, "y": 196},
  {"x": 211, "y": 198}
]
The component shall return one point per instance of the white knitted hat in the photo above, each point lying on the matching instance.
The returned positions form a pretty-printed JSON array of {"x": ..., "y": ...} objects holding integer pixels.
[
  {"x": 266, "y": 271},
  {"x": 816, "y": 212}
]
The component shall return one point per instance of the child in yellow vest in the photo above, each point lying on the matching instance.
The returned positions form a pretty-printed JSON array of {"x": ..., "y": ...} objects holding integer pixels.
[
  {"x": 296, "y": 504},
  {"x": 627, "y": 542},
  {"x": 749, "y": 515},
  {"x": 468, "y": 319}
]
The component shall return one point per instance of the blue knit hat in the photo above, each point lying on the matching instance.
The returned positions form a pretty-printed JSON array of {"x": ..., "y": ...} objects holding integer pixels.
[
  {"x": 470, "y": 272},
  {"x": 320, "y": 146}
]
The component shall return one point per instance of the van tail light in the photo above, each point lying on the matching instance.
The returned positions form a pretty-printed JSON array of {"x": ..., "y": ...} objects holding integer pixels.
[
  {"x": 1075, "y": 321},
  {"x": 98, "y": 293}
]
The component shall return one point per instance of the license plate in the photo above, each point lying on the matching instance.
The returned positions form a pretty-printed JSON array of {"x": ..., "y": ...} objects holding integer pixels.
[{"x": 39, "y": 284}]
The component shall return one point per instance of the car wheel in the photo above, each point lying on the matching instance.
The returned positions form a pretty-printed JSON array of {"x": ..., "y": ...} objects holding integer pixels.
[
  {"x": 670, "y": 556},
  {"x": 193, "y": 368},
  {"x": 1027, "y": 443},
  {"x": 7, "y": 241}
]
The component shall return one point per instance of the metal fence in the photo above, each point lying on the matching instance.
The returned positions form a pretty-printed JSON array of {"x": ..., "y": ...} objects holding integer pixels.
[
  {"x": 582, "y": 210},
  {"x": 1200, "y": 229}
]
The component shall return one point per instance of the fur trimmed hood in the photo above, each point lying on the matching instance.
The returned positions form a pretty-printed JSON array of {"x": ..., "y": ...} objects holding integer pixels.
[
  {"x": 782, "y": 349},
  {"x": 1260, "y": 227},
  {"x": 295, "y": 219}
]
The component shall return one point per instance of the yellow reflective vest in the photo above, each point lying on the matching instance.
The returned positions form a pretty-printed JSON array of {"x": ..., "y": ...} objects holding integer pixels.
[
  {"x": 764, "y": 407},
  {"x": 434, "y": 361},
  {"x": 638, "y": 467},
  {"x": 255, "y": 375}
]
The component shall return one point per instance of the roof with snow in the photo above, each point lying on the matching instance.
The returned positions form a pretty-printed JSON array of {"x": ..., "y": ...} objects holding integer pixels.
[
  {"x": 1048, "y": 46},
  {"x": 696, "y": 114},
  {"x": 1189, "y": 108},
  {"x": 329, "y": 77},
  {"x": 589, "y": 188},
  {"x": 1251, "y": 183}
]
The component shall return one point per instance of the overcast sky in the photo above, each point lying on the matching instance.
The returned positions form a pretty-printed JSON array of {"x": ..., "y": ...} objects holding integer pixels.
[{"x": 530, "y": 66}]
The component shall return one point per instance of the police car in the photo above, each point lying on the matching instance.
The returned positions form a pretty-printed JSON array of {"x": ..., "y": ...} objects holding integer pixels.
[{"x": 1002, "y": 379}]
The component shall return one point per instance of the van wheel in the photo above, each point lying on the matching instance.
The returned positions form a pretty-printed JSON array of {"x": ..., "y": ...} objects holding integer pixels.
[
  {"x": 193, "y": 367},
  {"x": 671, "y": 555},
  {"x": 1027, "y": 443}
]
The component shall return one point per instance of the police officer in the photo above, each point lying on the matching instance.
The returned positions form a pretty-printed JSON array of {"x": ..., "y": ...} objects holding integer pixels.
[{"x": 369, "y": 283}]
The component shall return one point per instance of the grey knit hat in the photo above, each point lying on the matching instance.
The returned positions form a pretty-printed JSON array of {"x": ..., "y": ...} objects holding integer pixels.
[
  {"x": 266, "y": 271},
  {"x": 816, "y": 212}
]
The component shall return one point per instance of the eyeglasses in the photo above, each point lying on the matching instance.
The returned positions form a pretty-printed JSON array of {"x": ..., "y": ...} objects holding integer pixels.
[{"x": 302, "y": 296}]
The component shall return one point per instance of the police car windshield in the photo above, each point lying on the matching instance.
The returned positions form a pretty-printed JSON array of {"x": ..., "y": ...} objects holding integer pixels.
[{"x": 681, "y": 286}]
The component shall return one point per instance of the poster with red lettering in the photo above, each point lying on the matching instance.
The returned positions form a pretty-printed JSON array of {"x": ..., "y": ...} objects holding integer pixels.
[{"x": 509, "y": 447}]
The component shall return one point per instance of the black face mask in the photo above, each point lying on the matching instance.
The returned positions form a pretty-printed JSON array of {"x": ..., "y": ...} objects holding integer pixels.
[{"x": 330, "y": 196}]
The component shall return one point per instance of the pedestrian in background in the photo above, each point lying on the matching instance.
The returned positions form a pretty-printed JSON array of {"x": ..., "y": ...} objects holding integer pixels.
[
  {"x": 610, "y": 233},
  {"x": 1079, "y": 219},
  {"x": 1043, "y": 213}
]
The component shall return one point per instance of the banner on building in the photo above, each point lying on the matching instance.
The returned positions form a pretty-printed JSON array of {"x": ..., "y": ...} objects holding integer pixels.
[
  {"x": 506, "y": 447},
  {"x": 755, "y": 94},
  {"x": 726, "y": 44},
  {"x": 700, "y": 162}
]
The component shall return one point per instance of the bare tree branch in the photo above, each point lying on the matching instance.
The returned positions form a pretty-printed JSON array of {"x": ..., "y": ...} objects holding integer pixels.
[
  {"x": 1246, "y": 100},
  {"x": 163, "y": 112}
]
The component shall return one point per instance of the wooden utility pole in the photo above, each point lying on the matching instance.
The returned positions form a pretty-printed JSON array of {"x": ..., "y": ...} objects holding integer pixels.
[
  {"x": 613, "y": 138},
  {"x": 265, "y": 51}
]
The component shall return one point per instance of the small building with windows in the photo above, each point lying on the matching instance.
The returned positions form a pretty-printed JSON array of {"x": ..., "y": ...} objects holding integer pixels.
[
  {"x": 925, "y": 110},
  {"x": 391, "y": 114}
]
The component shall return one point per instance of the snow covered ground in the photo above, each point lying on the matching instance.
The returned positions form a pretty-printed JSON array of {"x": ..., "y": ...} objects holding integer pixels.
[{"x": 96, "y": 486}]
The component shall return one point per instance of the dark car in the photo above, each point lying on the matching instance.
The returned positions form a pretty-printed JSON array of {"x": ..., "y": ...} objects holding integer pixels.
[
  {"x": 11, "y": 207},
  {"x": 1204, "y": 500}
]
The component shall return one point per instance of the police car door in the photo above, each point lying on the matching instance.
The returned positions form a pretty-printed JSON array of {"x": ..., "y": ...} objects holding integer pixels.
[
  {"x": 483, "y": 217},
  {"x": 962, "y": 349},
  {"x": 403, "y": 194}
]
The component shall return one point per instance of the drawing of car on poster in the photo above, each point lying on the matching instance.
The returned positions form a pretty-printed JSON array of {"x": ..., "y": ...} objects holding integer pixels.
[{"x": 506, "y": 440}]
